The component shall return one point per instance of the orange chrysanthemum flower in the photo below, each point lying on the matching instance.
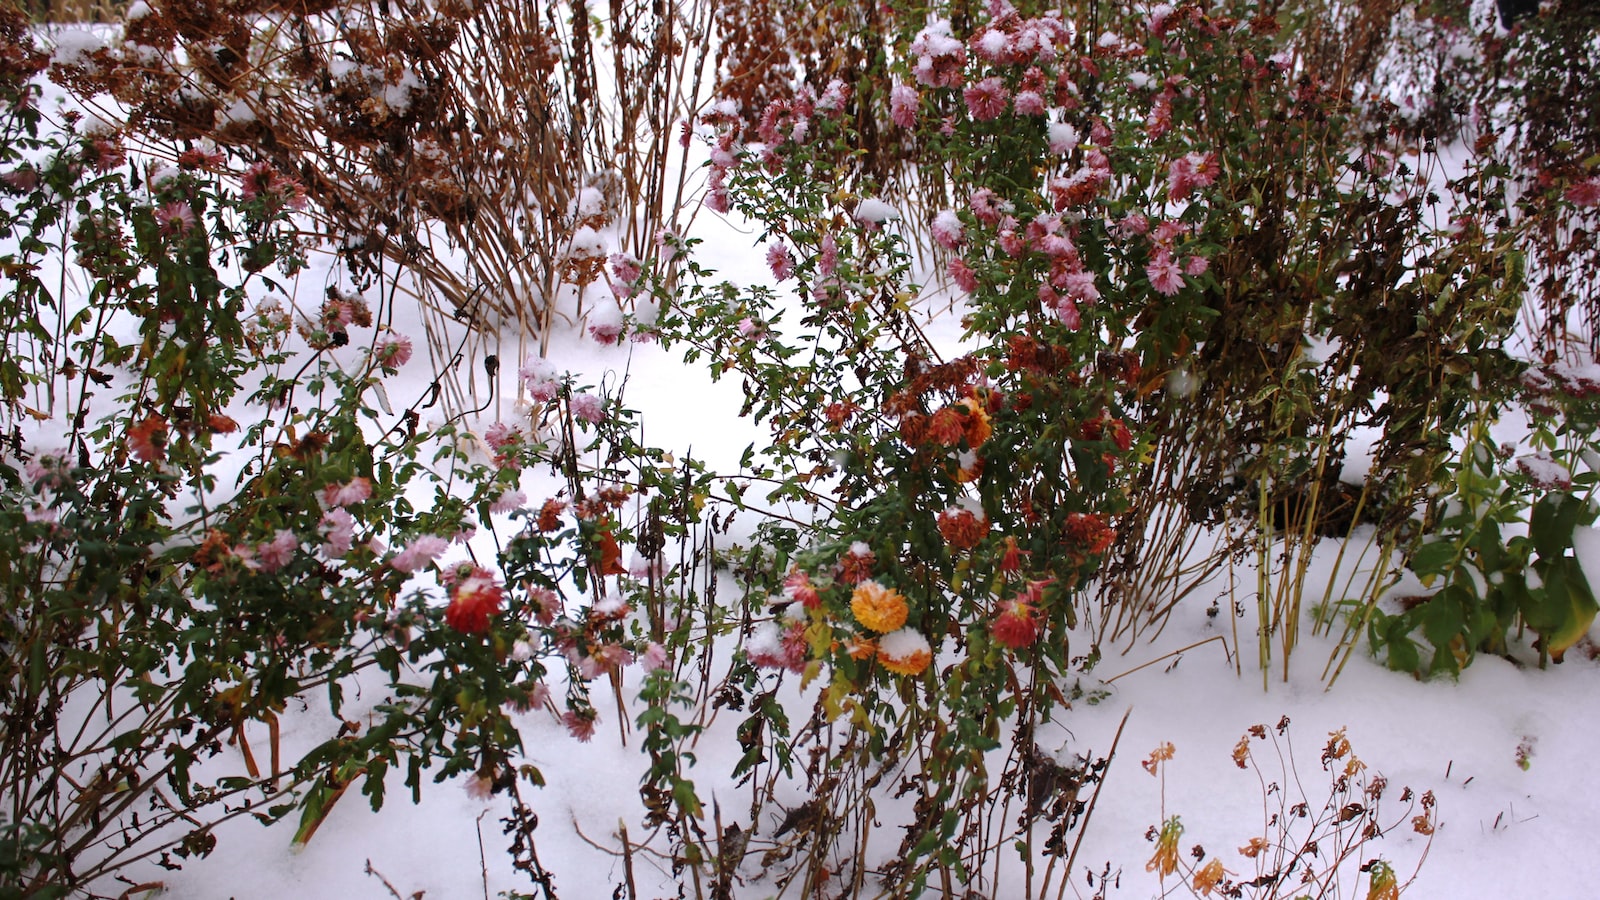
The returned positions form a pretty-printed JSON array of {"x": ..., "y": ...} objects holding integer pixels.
[
  {"x": 861, "y": 648},
  {"x": 878, "y": 608},
  {"x": 961, "y": 528},
  {"x": 905, "y": 652},
  {"x": 979, "y": 427}
]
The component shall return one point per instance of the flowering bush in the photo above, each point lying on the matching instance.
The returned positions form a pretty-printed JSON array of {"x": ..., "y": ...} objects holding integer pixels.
[{"x": 213, "y": 512}]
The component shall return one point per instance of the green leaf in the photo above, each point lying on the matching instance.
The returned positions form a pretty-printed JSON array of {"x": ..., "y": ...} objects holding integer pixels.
[{"x": 1433, "y": 559}]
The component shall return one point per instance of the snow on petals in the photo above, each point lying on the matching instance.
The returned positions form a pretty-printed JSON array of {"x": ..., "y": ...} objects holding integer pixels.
[
  {"x": 947, "y": 229},
  {"x": 904, "y": 652},
  {"x": 986, "y": 99}
]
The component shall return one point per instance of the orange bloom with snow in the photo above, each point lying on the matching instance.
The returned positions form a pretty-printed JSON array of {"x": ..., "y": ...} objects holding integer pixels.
[
  {"x": 878, "y": 608},
  {"x": 979, "y": 427},
  {"x": 961, "y": 528},
  {"x": 904, "y": 652}
]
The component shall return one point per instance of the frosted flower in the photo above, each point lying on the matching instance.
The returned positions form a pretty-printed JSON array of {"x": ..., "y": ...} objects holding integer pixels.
[
  {"x": 1063, "y": 137},
  {"x": 875, "y": 212},
  {"x": 904, "y": 652},
  {"x": 778, "y": 646},
  {"x": 878, "y": 608},
  {"x": 781, "y": 263},
  {"x": 834, "y": 97},
  {"x": 473, "y": 600},
  {"x": 588, "y": 407},
  {"x": 947, "y": 229},
  {"x": 625, "y": 268},
  {"x": 421, "y": 551},
  {"x": 962, "y": 527},
  {"x": 939, "y": 56},
  {"x": 987, "y": 206},
  {"x": 1028, "y": 103},
  {"x": 539, "y": 378},
  {"x": 986, "y": 100}
]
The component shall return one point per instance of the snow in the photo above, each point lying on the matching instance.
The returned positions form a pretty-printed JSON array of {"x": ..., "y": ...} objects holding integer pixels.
[{"x": 876, "y": 211}]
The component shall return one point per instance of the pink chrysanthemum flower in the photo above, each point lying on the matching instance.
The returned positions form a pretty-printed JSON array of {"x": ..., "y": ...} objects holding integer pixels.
[
  {"x": 1028, "y": 103},
  {"x": 175, "y": 218},
  {"x": 354, "y": 491},
  {"x": 588, "y": 407},
  {"x": 903, "y": 105},
  {"x": 1585, "y": 193},
  {"x": 781, "y": 263},
  {"x": 986, "y": 100},
  {"x": 338, "y": 529},
  {"x": 539, "y": 379},
  {"x": 987, "y": 206},
  {"x": 828, "y": 255},
  {"x": 580, "y": 723},
  {"x": 1165, "y": 276},
  {"x": 418, "y": 553},
  {"x": 547, "y": 605},
  {"x": 276, "y": 553},
  {"x": 509, "y": 501},
  {"x": 962, "y": 274},
  {"x": 948, "y": 230},
  {"x": 392, "y": 351}
]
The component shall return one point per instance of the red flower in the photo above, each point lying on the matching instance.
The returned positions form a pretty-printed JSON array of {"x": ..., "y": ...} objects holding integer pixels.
[
  {"x": 472, "y": 601},
  {"x": 1017, "y": 624},
  {"x": 797, "y": 586},
  {"x": 147, "y": 439},
  {"x": 856, "y": 565},
  {"x": 1089, "y": 532},
  {"x": 961, "y": 528},
  {"x": 1011, "y": 559}
]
